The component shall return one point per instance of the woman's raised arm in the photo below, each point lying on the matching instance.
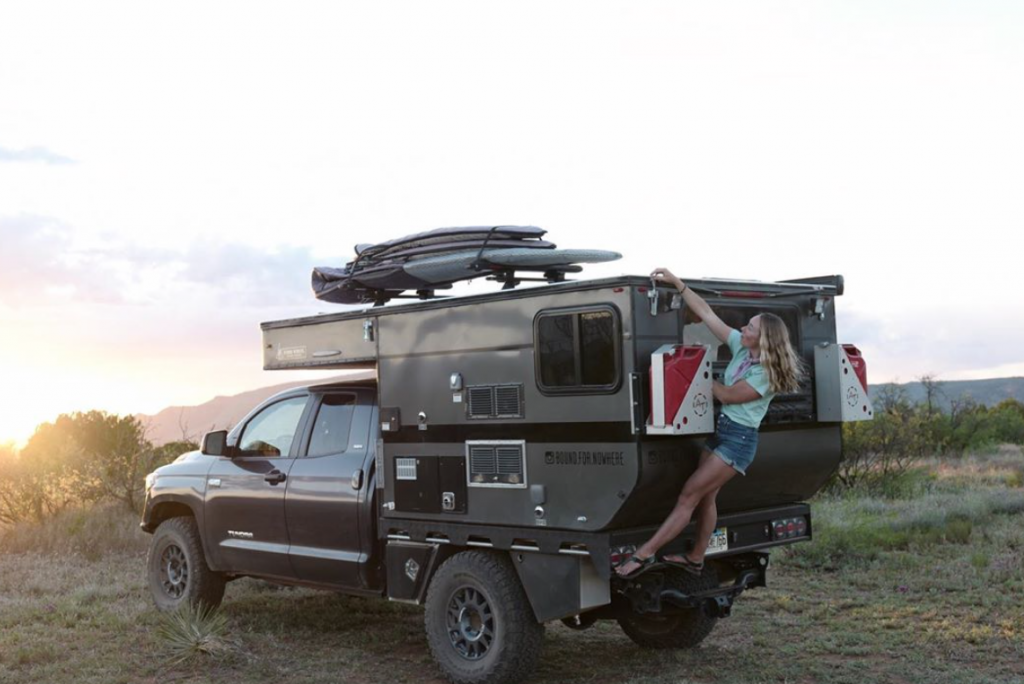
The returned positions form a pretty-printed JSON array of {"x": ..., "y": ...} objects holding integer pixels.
[{"x": 695, "y": 302}]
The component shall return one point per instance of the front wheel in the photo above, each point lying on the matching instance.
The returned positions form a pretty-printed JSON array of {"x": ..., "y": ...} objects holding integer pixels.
[
  {"x": 176, "y": 569},
  {"x": 479, "y": 623},
  {"x": 679, "y": 629}
]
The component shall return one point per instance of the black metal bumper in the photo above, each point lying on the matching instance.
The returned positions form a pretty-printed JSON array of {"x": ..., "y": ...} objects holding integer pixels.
[{"x": 648, "y": 593}]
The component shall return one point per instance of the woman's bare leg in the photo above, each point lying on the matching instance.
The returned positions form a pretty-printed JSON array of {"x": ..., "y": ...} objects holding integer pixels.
[
  {"x": 711, "y": 474},
  {"x": 706, "y": 517}
]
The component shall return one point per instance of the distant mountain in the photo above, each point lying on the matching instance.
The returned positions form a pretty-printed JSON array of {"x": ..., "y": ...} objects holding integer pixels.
[
  {"x": 220, "y": 413},
  {"x": 988, "y": 392}
]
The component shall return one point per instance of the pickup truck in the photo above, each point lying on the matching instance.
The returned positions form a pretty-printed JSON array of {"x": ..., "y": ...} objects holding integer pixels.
[{"x": 487, "y": 469}]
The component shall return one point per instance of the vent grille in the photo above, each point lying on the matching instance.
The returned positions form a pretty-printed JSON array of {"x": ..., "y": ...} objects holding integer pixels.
[
  {"x": 405, "y": 468},
  {"x": 509, "y": 400},
  {"x": 510, "y": 460},
  {"x": 497, "y": 464},
  {"x": 482, "y": 461},
  {"x": 495, "y": 401},
  {"x": 481, "y": 402}
]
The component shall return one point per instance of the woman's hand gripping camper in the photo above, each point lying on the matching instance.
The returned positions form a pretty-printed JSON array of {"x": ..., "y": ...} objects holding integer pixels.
[{"x": 763, "y": 364}]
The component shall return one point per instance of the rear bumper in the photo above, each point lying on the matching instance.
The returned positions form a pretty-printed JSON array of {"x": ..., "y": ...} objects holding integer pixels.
[{"x": 746, "y": 531}]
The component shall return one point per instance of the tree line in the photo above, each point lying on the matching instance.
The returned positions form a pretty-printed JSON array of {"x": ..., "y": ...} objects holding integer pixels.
[
  {"x": 80, "y": 459},
  {"x": 902, "y": 432}
]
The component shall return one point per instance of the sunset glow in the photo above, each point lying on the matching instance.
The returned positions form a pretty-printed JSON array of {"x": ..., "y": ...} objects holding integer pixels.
[{"x": 145, "y": 237}]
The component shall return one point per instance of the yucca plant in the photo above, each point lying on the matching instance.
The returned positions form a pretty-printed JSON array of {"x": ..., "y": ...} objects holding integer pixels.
[{"x": 194, "y": 631}]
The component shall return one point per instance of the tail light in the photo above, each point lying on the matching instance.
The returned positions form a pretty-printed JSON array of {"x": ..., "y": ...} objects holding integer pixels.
[{"x": 789, "y": 528}]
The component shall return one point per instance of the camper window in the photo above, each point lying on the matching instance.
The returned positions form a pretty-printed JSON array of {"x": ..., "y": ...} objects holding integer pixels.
[
  {"x": 736, "y": 316},
  {"x": 577, "y": 350}
]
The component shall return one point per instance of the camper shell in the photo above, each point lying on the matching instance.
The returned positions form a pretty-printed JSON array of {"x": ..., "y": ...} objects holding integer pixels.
[
  {"x": 540, "y": 429},
  {"x": 561, "y": 373}
]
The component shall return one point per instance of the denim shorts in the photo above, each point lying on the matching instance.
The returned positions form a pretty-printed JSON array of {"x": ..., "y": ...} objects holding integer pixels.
[{"x": 733, "y": 443}]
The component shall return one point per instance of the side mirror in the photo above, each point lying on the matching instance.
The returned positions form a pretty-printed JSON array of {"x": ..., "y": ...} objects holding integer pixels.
[{"x": 216, "y": 443}]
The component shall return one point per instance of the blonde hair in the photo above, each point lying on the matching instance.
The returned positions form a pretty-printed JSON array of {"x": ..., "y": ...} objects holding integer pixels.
[{"x": 779, "y": 360}]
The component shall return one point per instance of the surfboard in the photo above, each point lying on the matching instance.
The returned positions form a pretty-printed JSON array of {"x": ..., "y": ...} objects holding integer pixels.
[
  {"x": 458, "y": 266},
  {"x": 438, "y": 258}
]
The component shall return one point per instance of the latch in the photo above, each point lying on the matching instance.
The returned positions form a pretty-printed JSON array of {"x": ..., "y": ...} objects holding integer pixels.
[
  {"x": 819, "y": 307},
  {"x": 675, "y": 302}
]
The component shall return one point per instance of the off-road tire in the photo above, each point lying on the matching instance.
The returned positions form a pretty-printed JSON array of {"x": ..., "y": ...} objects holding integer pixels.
[
  {"x": 478, "y": 584},
  {"x": 176, "y": 569},
  {"x": 683, "y": 629}
]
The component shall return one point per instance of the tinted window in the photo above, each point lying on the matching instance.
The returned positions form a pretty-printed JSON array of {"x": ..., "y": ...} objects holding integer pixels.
[
  {"x": 271, "y": 431},
  {"x": 578, "y": 350},
  {"x": 331, "y": 428},
  {"x": 597, "y": 348},
  {"x": 556, "y": 339}
]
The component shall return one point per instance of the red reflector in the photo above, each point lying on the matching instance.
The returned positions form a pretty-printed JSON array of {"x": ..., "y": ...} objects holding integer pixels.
[
  {"x": 860, "y": 366},
  {"x": 744, "y": 295},
  {"x": 641, "y": 289},
  {"x": 618, "y": 289}
]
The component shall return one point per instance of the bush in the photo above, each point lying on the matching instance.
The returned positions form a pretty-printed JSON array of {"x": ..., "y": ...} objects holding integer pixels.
[
  {"x": 79, "y": 459},
  {"x": 192, "y": 632}
]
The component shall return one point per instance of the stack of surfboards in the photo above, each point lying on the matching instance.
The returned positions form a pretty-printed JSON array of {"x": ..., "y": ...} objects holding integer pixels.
[{"x": 438, "y": 258}]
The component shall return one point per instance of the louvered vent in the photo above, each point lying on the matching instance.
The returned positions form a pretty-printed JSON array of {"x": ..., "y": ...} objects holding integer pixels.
[
  {"x": 510, "y": 460},
  {"x": 497, "y": 464},
  {"x": 495, "y": 401},
  {"x": 509, "y": 400},
  {"x": 482, "y": 461},
  {"x": 481, "y": 402}
]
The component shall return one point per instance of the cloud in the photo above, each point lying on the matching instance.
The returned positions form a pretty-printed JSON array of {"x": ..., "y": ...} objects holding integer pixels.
[
  {"x": 39, "y": 263},
  {"x": 248, "y": 275},
  {"x": 922, "y": 340},
  {"x": 33, "y": 154},
  {"x": 42, "y": 263}
]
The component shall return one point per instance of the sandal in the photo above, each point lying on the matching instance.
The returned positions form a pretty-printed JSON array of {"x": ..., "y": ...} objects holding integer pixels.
[
  {"x": 644, "y": 563},
  {"x": 684, "y": 564}
]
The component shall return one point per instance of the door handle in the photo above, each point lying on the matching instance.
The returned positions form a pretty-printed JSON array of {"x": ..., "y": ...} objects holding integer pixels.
[
  {"x": 357, "y": 479},
  {"x": 275, "y": 477}
]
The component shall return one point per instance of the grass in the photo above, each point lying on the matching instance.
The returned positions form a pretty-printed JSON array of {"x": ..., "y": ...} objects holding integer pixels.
[{"x": 924, "y": 588}]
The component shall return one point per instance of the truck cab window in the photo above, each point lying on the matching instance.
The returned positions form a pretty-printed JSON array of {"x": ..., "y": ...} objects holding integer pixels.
[
  {"x": 331, "y": 428},
  {"x": 578, "y": 351},
  {"x": 271, "y": 431}
]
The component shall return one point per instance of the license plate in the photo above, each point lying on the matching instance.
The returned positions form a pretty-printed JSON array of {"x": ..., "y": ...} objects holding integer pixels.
[{"x": 719, "y": 541}]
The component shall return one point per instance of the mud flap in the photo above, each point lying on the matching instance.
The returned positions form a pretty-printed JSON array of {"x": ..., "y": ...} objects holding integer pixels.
[{"x": 560, "y": 586}]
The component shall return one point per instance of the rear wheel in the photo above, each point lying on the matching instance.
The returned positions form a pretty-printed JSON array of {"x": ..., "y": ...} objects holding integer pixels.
[
  {"x": 683, "y": 628},
  {"x": 479, "y": 623},
  {"x": 176, "y": 569}
]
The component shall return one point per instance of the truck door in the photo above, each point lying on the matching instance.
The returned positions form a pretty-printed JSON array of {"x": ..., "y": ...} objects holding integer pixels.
[
  {"x": 326, "y": 488},
  {"x": 245, "y": 516}
]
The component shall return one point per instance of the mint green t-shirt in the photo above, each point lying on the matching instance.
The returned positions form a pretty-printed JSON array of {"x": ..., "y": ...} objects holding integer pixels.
[{"x": 752, "y": 412}]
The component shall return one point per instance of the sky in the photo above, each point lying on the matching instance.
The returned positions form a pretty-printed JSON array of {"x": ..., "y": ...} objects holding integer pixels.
[{"x": 170, "y": 173}]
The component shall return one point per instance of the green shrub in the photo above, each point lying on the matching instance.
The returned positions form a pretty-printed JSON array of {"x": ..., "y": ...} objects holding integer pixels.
[{"x": 192, "y": 632}]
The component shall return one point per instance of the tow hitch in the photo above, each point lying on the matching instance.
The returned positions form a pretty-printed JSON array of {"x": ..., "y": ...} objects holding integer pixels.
[{"x": 648, "y": 593}]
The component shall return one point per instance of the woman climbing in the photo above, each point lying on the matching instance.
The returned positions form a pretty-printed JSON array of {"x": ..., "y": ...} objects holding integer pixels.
[{"x": 763, "y": 364}]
